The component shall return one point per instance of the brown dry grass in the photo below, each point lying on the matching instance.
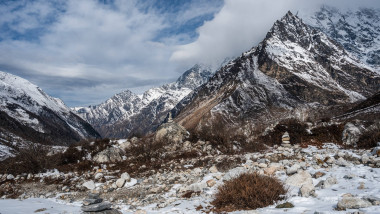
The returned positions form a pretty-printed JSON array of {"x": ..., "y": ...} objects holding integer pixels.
[{"x": 248, "y": 191}]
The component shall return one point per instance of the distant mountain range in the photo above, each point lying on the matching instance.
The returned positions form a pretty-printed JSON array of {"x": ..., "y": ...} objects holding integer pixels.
[
  {"x": 126, "y": 114},
  {"x": 28, "y": 114}
]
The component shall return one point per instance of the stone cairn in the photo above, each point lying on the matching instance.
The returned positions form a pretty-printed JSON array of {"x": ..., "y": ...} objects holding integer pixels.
[
  {"x": 286, "y": 140},
  {"x": 95, "y": 205}
]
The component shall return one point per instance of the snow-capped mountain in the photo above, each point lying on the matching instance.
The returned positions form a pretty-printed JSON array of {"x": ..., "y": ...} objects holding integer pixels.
[
  {"x": 358, "y": 31},
  {"x": 294, "y": 66},
  {"x": 28, "y": 114},
  {"x": 126, "y": 113}
]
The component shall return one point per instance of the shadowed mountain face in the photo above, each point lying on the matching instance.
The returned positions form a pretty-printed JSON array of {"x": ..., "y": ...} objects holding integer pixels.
[
  {"x": 127, "y": 114},
  {"x": 295, "y": 66},
  {"x": 358, "y": 31},
  {"x": 28, "y": 114}
]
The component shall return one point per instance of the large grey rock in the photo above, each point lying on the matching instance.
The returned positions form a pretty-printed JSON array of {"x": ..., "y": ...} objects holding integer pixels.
[
  {"x": 111, "y": 154},
  {"x": 350, "y": 202},
  {"x": 299, "y": 179},
  {"x": 293, "y": 169},
  {"x": 171, "y": 132},
  {"x": 373, "y": 199},
  {"x": 112, "y": 211},
  {"x": 351, "y": 134},
  {"x": 120, "y": 182},
  {"x": 235, "y": 172},
  {"x": 126, "y": 176},
  {"x": 89, "y": 185},
  {"x": 307, "y": 189},
  {"x": 96, "y": 207},
  {"x": 89, "y": 201},
  {"x": 327, "y": 183}
]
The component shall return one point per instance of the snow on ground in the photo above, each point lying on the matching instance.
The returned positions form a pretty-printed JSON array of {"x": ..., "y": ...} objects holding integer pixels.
[
  {"x": 349, "y": 179},
  {"x": 51, "y": 206}
]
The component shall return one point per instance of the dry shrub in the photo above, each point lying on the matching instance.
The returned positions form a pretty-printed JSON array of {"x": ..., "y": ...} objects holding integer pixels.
[
  {"x": 369, "y": 139},
  {"x": 31, "y": 159},
  {"x": 248, "y": 191},
  {"x": 224, "y": 137}
]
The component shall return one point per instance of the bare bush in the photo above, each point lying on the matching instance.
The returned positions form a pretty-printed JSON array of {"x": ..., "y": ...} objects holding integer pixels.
[{"x": 248, "y": 191}]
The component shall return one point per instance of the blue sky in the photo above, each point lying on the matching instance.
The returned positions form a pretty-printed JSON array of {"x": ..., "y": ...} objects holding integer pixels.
[{"x": 84, "y": 51}]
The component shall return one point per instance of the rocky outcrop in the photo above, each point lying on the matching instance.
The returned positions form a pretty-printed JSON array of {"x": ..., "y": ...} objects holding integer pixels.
[
  {"x": 171, "y": 132},
  {"x": 111, "y": 154},
  {"x": 351, "y": 134}
]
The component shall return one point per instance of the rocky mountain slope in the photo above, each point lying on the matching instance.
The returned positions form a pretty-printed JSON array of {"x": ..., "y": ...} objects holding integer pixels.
[
  {"x": 295, "y": 66},
  {"x": 358, "y": 31},
  {"x": 28, "y": 114},
  {"x": 127, "y": 114}
]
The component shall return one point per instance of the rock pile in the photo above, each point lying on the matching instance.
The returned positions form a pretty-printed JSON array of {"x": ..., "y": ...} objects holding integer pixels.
[
  {"x": 286, "y": 140},
  {"x": 95, "y": 205}
]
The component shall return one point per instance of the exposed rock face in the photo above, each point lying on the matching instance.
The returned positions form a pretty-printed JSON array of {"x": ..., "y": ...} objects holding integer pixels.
[
  {"x": 126, "y": 113},
  {"x": 111, "y": 154},
  {"x": 295, "y": 66},
  {"x": 171, "y": 132},
  {"x": 358, "y": 30}
]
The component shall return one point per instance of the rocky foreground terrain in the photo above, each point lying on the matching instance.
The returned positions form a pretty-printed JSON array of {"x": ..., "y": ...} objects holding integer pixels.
[{"x": 321, "y": 178}]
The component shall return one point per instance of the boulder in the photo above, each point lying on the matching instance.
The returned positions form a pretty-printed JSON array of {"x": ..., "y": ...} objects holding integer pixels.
[
  {"x": 98, "y": 176},
  {"x": 89, "y": 201},
  {"x": 111, "y": 154},
  {"x": 299, "y": 179},
  {"x": 293, "y": 169},
  {"x": 120, "y": 182},
  {"x": 10, "y": 177},
  {"x": 350, "y": 202},
  {"x": 351, "y": 134},
  {"x": 97, "y": 207},
  {"x": 213, "y": 169},
  {"x": 307, "y": 189},
  {"x": 171, "y": 132},
  {"x": 89, "y": 185}
]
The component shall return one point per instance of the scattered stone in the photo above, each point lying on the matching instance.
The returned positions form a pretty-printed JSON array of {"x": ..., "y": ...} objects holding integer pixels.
[
  {"x": 89, "y": 201},
  {"x": 307, "y": 189},
  {"x": 373, "y": 200},
  {"x": 350, "y": 202},
  {"x": 285, "y": 205},
  {"x": 89, "y": 185},
  {"x": 10, "y": 177},
  {"x": 126, "y": 176},
  {"x": 120, "y": 182},
  {"x": 361, "y": 186},
  {"x": 140, "y": 212},
  {"x": 96, "y": 207},
  {"x": 98, "y": 176},
  {"x": 293, "y": 169},
  {"x": 211, "y": 182},
  {"x": 213, "y": 169},
  {"x": 299, "y": 179},
  {"x": 319, "y": 174}
]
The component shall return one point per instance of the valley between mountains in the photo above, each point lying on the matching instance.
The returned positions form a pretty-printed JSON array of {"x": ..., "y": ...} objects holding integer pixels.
[{"x": 297, "y": 115}]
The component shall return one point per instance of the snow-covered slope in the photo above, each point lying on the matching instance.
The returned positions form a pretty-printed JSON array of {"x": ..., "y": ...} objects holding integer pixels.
[
  {"x": 126, "y": 113},
  {"x": 28, "y": 113},
  {"x": 358, "y": 31},
  {"x": 294, "y": 66}
]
